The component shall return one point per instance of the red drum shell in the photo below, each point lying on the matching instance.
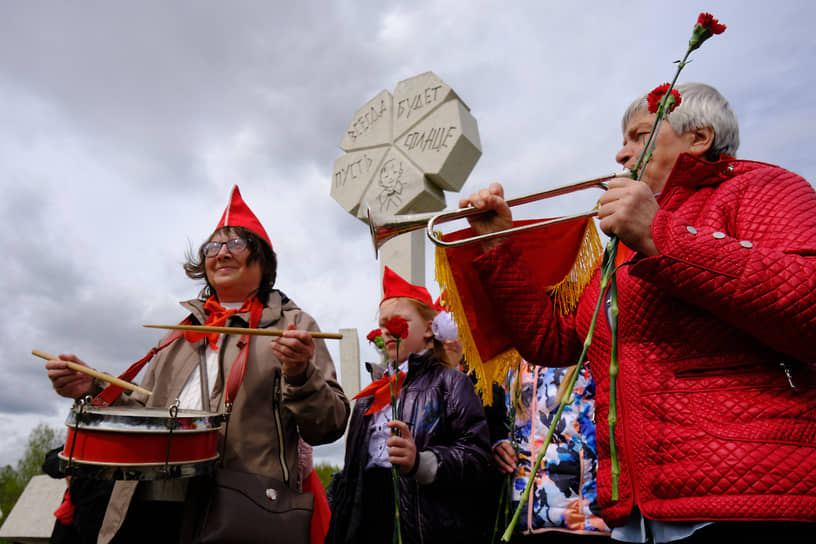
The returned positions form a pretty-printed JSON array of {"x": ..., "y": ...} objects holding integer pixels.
[{"x": 134, "y": 439}]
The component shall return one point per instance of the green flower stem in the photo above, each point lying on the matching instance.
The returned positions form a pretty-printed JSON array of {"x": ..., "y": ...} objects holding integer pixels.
[
  {"x": 612, "y": 418},
  {"x": 608, "y": 279},
  {"x": 397, "y": 532},
  {"x": 609, "y": 271},
  {"x": 504, "y": 501},
  {"x": 608, "y": 266},
  {"x": 397, "y": 537},
  {"x": 646, "y": 153},
  {"x": 506, "y": 492}
]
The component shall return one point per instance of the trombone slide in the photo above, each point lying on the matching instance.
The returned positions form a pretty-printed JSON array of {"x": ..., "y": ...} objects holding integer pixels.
[{"x": 383, "y": 228}]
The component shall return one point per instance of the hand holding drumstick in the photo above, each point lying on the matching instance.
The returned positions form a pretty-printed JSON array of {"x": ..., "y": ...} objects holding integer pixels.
[{"x": 72, "y": 378}]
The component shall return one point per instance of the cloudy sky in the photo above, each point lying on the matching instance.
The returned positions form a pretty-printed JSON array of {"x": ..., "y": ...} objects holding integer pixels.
[{"x": 124, "y": 125}]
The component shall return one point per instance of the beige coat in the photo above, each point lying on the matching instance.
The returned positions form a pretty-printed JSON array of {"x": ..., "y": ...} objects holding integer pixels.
[{"x": 317, "y": 409}]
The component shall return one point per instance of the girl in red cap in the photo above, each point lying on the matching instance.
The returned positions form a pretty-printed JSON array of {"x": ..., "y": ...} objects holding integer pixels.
[{"x": 442, "y": 447}]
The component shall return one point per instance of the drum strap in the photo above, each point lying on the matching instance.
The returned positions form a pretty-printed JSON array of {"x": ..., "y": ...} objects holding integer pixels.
[
  {"x": 236, "y": 375},
  {"x": 112, "y": 392}
]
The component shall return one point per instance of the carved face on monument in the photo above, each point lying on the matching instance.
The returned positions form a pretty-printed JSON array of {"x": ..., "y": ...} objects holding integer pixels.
[
  {"x": 391, "y": 175},
  {"x": 390, "y": 183},
  {"x": 404, "y": 150}
]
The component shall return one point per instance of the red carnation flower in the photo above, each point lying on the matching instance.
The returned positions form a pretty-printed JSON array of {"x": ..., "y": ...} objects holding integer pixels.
[
  {"x": 398, "y": 327},
  {"x": 706, "y": 27},
  {"x": 708, "y": 22},
  {"x": 656, "y": 96},
  {"x": 375, "y": 337}
]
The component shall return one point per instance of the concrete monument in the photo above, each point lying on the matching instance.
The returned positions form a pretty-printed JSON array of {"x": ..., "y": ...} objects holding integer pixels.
[{"x": 402, "y": 151}]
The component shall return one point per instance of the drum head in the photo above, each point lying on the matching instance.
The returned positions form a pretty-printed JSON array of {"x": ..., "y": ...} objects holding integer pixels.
[
  {"x": 128, "y": 419},
  {"x": 125, "y": 443}
]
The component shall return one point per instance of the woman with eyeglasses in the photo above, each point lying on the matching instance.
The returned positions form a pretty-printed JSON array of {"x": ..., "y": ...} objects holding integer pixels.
[{"x": 289, "y": 389}]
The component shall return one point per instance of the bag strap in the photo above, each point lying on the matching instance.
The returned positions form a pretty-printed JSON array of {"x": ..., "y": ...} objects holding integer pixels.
[
  {"x": 236, "y": 376},
  {"x": 112, "y": 392},
  {"x": 109, "y": 395}
]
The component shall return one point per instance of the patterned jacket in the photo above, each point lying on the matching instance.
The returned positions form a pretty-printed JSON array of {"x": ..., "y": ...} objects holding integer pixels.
[
  {"x": 712, "y": 332},
  {"x": 564, "y": 494}
]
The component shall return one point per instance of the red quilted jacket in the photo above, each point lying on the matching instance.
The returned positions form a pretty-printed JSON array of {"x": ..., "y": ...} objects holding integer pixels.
[{"x": 709, "y": 427}]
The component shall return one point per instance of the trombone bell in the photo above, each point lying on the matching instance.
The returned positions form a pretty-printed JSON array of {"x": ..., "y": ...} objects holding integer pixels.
[{"x": 384, "y": 227}]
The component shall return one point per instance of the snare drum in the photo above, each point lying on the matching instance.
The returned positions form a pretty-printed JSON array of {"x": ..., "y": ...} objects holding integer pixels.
[{"x": 125, "y": 443}]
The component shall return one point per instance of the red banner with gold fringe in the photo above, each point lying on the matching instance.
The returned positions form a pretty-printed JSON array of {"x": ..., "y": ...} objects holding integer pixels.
[{"x": 561, "y": 257}]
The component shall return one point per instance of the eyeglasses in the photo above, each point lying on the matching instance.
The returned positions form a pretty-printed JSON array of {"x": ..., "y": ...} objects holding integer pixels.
[{"x": 236, "y": 245}]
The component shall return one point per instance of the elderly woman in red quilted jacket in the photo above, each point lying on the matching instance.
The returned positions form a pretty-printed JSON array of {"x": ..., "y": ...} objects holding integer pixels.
[{"x": 716, "y": 431}]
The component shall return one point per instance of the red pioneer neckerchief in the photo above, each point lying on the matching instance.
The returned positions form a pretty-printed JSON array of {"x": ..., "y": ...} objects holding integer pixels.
[
  {"x": 217, "y": 316},
  {"x": 381, "y": 390},
  {"x": 112, "y": 392},
  {"x": 623, "y": 254}
]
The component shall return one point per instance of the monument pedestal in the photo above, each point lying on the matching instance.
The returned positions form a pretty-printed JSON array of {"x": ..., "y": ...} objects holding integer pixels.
[{"x": 31, "y": 521}]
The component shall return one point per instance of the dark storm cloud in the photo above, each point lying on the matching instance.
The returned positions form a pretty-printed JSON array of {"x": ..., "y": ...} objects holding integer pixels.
[{"x": 162, "y": 79}]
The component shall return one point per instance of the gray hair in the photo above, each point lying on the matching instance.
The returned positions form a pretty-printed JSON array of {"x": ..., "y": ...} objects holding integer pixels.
[{"x": 700, "y": 106}]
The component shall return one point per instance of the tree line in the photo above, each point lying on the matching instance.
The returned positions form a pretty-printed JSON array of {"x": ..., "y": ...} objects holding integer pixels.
[{"x": 13, "y": 480}]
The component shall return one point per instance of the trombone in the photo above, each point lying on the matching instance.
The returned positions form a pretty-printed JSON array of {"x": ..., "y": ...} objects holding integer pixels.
[{"x": 385, "y": 227}]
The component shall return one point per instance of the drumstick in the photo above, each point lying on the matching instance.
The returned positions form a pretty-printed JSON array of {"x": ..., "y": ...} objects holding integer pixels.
[
  {"x": 91, "y": 372},
  {"x": 240, "y": 330}
]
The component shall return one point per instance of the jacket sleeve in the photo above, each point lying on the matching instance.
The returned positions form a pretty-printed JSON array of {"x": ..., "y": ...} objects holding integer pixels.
[
  {"x": 319, "y": 405},
  {"x": 496, "y": 415},
  {"x": 538, "y": 331},
  {"x": 757, "y": 273},
  {"x": 465, "y": 457}
]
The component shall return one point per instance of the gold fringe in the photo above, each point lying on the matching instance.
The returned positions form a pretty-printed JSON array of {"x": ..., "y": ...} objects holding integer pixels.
[
  {"x": 565, "y": 296},
  {"x": 486, "y": 372},
  {"x": 567, "y": 292}
]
